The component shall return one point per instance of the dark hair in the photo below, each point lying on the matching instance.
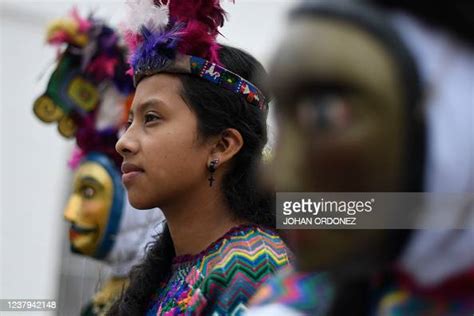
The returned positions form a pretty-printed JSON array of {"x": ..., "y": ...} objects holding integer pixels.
[
  {"x": 455, "y": 17},
  {"x": 217, "y": 109}
]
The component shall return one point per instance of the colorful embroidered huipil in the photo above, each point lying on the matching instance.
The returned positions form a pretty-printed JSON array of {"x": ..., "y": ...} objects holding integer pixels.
[
  {"x": 221, "y": 279},
  {"x": 293, "y": 292}
]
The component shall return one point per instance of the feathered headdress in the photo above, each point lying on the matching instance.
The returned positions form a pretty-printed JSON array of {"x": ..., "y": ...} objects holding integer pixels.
[
  {"x": 89, "y": 93},
  {"x": 179, "y": 36}
]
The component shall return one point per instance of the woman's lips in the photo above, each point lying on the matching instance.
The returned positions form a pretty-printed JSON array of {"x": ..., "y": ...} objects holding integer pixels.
[
  {"x": 127, "y": 178},
  {"x": 130, "y": 172}
]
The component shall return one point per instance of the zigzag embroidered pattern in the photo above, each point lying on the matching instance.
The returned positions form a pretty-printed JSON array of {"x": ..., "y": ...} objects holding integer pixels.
[{"x": 221, "y": 279}]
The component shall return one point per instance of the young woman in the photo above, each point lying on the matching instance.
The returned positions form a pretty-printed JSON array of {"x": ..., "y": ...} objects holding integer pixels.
[{"x": 196, "y": 131}]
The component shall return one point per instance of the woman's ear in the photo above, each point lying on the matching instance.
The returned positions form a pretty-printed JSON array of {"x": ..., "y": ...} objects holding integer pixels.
[{"x": 227, "y": 145}]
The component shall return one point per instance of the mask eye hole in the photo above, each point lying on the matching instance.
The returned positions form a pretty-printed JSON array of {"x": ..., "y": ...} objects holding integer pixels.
[
  {"x": 324, "y": 113},
  {"x": 88, "y": 192}
]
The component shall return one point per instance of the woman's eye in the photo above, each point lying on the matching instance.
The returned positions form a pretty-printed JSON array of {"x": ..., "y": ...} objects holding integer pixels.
[
  {"x": 151, "y": 118},
  {"x": 127, "y": 124}
]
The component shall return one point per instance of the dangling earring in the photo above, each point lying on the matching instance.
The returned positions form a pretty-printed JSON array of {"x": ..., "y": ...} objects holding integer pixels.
[{"x": 212, "y": 168}]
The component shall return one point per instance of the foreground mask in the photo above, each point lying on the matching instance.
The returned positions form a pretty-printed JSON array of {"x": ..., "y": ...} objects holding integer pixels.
[{"x": 347, "y": 93}]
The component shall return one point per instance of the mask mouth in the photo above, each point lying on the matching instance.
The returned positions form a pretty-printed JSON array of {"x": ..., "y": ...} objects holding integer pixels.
[{"x": 76, "y": 230}]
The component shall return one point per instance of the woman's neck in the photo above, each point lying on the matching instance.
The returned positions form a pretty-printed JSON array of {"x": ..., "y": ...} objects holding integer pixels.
[{"x": 198, "y": 221}]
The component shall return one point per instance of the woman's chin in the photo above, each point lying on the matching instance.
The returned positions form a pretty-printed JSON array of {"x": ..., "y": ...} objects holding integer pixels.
[{"x": 138, "y": 201}]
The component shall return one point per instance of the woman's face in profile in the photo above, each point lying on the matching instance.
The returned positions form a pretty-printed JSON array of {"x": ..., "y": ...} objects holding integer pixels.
[{"x": 163, "y": 159}]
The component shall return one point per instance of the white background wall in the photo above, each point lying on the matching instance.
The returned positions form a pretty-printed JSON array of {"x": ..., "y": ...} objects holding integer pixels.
[{"x": 34, "y": 179}]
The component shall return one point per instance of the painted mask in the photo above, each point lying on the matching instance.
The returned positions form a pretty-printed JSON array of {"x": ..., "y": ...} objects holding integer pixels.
[{"x": 346, "y": 93}]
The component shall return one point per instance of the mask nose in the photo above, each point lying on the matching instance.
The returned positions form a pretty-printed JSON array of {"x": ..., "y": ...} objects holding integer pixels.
[
  {"x": 286, "y": 166},
  {"x": 72, "y": 209}
]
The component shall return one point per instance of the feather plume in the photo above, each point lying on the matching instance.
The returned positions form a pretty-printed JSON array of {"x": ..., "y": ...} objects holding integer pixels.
[
  {"x": 145, "y": 13},
  {"x": 208, "y": 12},
  {"x": 197, "y": 41},
  {"x": 76, "y": 157},
  {"x": 157, "y": 49},
  {"x": 84, "y": 25},
  {"x": 102, "y": 67},
  {"x": 203, "y": 19},
  {"x": 191, "y": 28}
]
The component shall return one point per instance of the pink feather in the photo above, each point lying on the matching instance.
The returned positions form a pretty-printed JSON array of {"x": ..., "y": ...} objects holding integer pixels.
[
  {"x": 129, "y": 72},
  {"x": 84, "y": 24},
  {"x": 197, "y": 41},
  {"x": 208, "y": 12},
  {"x": 102, "y": 67},
  {"x": 58, "y": 38},
  {"x": 203, "y": 19},
  {"x": 132, "y": 40},
  {"x": 76, "y": 157}
]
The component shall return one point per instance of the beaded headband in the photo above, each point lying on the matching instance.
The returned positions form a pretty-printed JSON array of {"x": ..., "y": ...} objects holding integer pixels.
[{"x": 179, "y": 36}]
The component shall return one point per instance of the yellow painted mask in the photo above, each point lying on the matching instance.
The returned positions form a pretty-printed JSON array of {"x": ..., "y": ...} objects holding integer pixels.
[{"x": 95, "y": 206}]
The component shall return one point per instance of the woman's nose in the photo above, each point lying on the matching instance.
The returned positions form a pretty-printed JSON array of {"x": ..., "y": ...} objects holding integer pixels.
[{"x": 126, "y": 145}]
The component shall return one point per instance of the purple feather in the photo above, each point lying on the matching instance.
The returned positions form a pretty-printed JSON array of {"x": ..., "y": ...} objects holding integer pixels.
[{"x": 157, "y": 49}]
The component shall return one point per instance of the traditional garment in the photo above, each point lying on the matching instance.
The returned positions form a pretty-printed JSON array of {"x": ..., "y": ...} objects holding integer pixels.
[
  {"x": 404, "y": 297},
  {"x": 221, "y": 279},
  {"x": 287, "y": 294}
]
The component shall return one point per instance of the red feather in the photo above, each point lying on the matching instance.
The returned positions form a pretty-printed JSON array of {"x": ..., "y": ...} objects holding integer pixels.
[
  {"x": 197, "y": 41},
  {"x": 202, "y": 19}
]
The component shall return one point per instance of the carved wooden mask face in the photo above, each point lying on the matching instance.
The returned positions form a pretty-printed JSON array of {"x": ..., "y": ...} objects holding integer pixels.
[{"x": 341, "y": 123}]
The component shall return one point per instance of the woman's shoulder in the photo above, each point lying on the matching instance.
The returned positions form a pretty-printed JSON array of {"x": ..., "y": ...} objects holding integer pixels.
[
  {"x": 247, "y": 258},
  {"x": 256, "y": 244},
  {"x": 249, "y": 246}
]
